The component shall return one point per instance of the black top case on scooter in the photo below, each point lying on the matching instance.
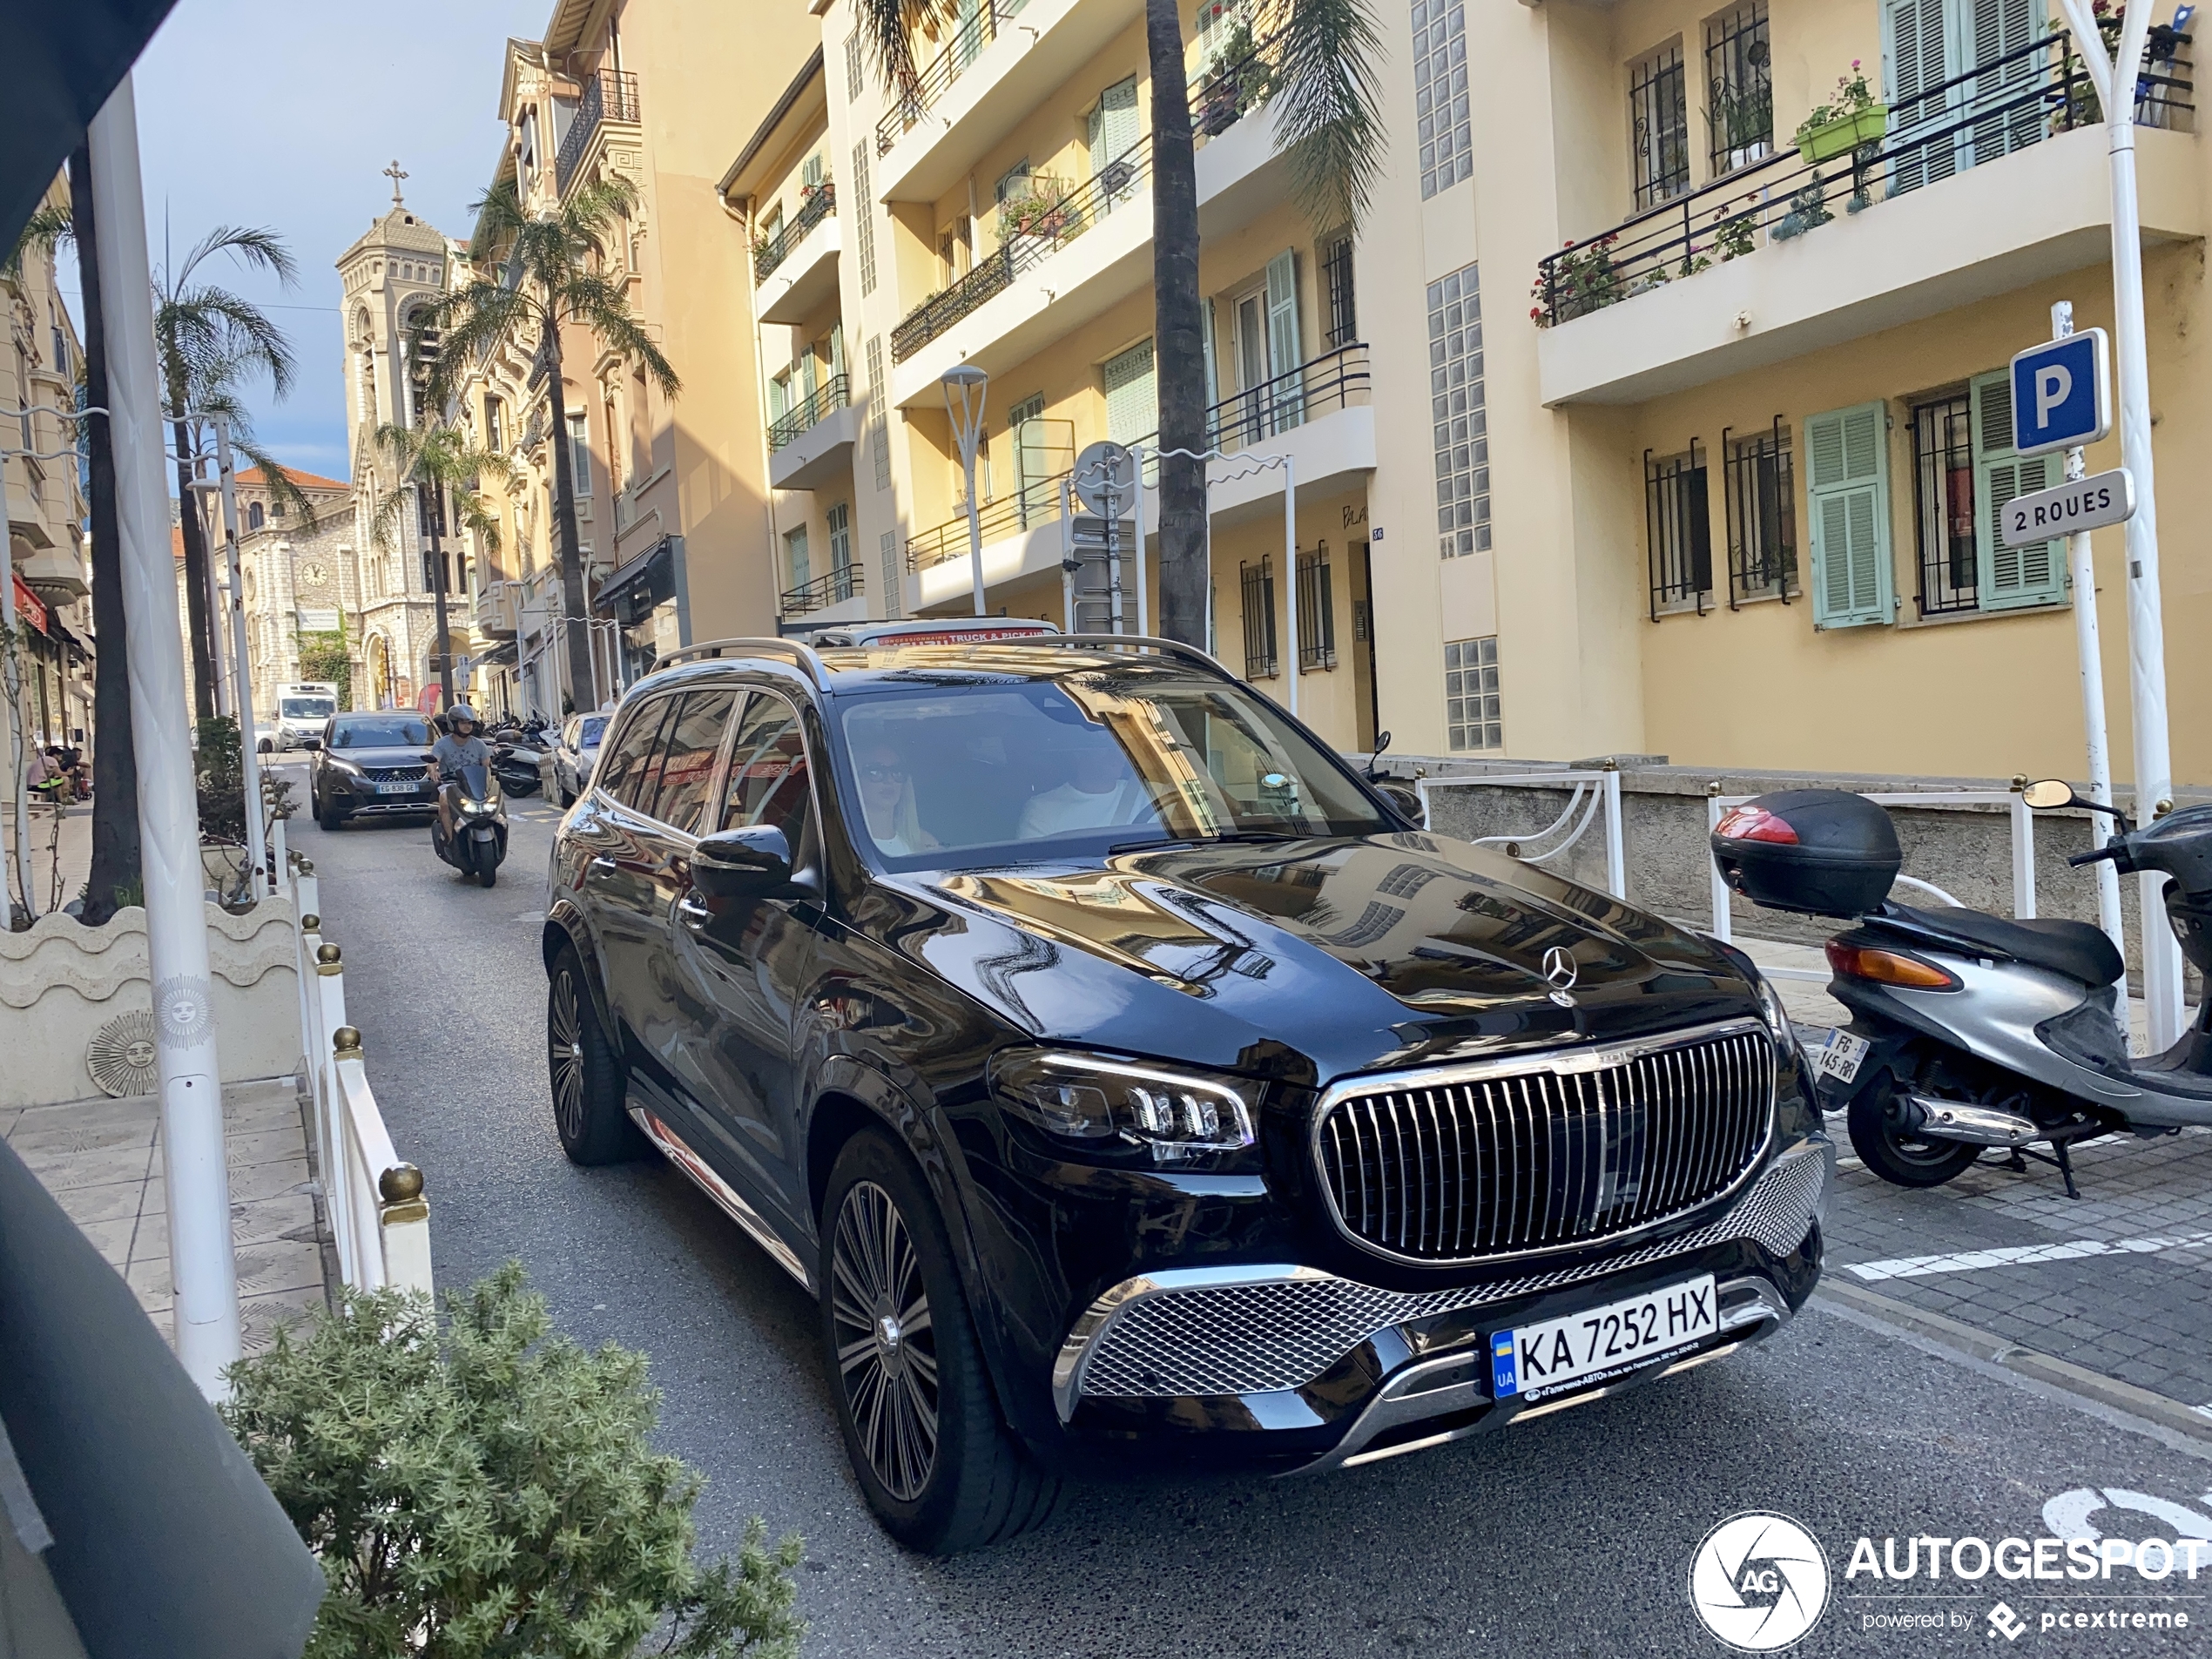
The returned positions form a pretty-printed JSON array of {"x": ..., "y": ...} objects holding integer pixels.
[{"x": 1820, "y": 851}]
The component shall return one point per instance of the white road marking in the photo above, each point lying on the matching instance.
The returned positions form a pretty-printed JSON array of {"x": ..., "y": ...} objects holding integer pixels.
[{"x": 1970, "y": 1261}]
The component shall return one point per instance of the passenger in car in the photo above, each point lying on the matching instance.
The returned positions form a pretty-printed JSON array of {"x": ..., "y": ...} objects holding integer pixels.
[
  {"x": 888, "y": 797},
  {"x": 1102, "y": 793}
]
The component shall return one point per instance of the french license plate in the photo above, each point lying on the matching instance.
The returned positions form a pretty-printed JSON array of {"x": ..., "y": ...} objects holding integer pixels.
[
  {"x": 1536, "y": 1361},
  {"x": 1841, "y": 1056},
  {"x": 397, "y": 789}
]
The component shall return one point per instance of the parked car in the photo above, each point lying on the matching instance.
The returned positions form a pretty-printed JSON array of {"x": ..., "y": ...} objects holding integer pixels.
[
  {"x": 371, "y": 766},
  {"x": 265, "y": 737},
  {"x": 572, "y": 755},
  {"x": 1130, "y": 1083}
]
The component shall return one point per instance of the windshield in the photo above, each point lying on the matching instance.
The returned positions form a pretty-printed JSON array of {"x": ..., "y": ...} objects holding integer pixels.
[
  {"x": 397, "y": 732},
  {"x": 474, "y": 779},
  {"x": 307, "y": 708},
  {"x": 961, "y": 776},
  {"x": 588, "y": 736}
]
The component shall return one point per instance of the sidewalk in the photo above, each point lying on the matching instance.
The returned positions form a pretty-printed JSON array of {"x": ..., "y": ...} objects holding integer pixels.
[{"x": 102, "y": 1159}]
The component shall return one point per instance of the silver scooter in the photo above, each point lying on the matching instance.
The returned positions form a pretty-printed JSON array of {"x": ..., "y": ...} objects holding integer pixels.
[{"x": 1970, "y": 1033}]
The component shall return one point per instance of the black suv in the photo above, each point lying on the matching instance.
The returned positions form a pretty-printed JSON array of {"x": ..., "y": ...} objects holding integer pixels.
[
  {"x": 1129, "y": 1081},
  {"x": 372, "y": 765}
]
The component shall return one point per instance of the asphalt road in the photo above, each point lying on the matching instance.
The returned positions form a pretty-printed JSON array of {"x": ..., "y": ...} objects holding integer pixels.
[{"x": 1570, "y": 1536}]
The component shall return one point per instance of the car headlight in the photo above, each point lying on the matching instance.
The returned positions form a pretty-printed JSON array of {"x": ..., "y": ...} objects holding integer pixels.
[{"x": 1102, "y": 1103}]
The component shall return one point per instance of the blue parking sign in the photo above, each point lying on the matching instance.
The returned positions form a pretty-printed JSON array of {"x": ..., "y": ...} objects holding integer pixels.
[{"x": 2062, "y": 392}]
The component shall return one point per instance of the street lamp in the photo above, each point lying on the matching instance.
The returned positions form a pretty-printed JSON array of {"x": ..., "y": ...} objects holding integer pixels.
[{"x": 971, "y": 384}]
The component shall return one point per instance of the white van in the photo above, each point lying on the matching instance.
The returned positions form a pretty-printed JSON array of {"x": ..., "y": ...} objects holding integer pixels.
[{"x": 301, "y": 710}]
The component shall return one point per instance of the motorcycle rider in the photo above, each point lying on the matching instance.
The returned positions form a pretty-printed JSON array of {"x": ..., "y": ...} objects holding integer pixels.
[{"x": 459, "y": 747}]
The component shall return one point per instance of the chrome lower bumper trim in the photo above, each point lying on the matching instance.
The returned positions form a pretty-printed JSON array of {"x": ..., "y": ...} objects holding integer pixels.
[{"x": 756, "y": 1226}]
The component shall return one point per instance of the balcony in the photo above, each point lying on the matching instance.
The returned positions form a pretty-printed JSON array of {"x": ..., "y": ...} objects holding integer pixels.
[
  {"x": 1317, "y": 414},
  {"x": 794, "y": 272},
  {"x": 842, "y": 591},
  {"x": 1985, "y": 183},
  {"x": 812, "y": 444},
  {"x": 611, "y": 95}
]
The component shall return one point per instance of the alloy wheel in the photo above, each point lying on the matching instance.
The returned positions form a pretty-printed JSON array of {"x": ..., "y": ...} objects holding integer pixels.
[
  {"x": 564, "y": 1046},
  {"x": 887, "y": 1349}
]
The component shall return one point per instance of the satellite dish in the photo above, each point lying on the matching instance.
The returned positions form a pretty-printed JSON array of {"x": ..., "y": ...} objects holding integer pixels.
[{"x": 1106, "y": 469}]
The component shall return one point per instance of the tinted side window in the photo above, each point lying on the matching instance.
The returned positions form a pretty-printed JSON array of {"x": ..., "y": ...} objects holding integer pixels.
[
  {"x": 619, "y": 766},
  {"x": 767, "y": 770},
  {"x": 687, "y": 762}
]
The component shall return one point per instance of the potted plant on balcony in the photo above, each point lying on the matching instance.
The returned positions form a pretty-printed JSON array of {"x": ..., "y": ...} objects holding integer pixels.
[
  {"x": 1042, "y": 210},
  {"x": 1855, "y": 120},
  {"x": 1238, "y": 81}
]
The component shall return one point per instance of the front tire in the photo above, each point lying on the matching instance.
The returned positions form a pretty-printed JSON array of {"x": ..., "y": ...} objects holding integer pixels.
[
  {"x": 1902, "y": 1158},
  {"x": 932, "y": 1455},
  {"x": 486, "y": 875},
  {"x": 586, "y": 1074},
  {"x": 330, "y": 818}
]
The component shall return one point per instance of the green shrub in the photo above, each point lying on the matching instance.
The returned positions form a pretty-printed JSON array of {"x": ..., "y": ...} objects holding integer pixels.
[{"x": 490, "y": 1489}]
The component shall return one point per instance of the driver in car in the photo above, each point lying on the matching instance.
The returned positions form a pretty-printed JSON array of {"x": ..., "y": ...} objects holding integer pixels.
[{"x": 1102, "y": 793}]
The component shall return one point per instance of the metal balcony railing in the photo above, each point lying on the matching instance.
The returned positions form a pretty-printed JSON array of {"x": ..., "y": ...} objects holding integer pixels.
[
  {"x": 1039, "y": 228},
  {"x": 832, "y": 587},
  {"x": 770, "y": 251},
  {"x": 833, "y": 394},
  {"x": 1333, "y": 380},
  {"x": 611, "y": 95},
  {"x": 1972, "y": 119},
  {"x": 932, "y": 80}
]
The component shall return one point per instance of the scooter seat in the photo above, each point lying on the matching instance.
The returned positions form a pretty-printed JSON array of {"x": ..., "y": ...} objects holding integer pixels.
[{"x": 2073, "y": 948}]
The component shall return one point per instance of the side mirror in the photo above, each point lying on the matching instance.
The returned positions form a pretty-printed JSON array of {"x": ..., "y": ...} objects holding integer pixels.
[
  {"x": 1404, "y": 798},
  {"x": 1382, "y": 742},
  {"x": 750, "y": 863},
  {"x": 2048, "y": 793},
  {"x": 311, "y": 744}
]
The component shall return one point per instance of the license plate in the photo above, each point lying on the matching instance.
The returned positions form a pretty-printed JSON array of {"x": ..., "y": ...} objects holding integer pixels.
[
  {"x": 1841, "y": 1056},
  {"x": 397, "y": 789},
  {"x": 1536, "y": 1361}
]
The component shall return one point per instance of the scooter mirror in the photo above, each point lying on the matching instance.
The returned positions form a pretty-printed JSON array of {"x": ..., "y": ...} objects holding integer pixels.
[{"x": 2049, "y": 792}]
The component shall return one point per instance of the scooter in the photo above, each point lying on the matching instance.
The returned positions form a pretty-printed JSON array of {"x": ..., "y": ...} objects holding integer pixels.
[
  {"x": 516, "y": 766},
  {"x": 1969, "y": 1033},
  {"x": 470, "y": 830}
]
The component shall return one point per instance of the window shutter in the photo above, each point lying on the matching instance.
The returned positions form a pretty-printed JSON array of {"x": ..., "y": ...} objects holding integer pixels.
[
  {"x": 1919, "y": 46},
  {"x": 1206, "y": 345},
  {"x": 1847, "y": 487},
  {"x": 1132, "y": 406},
  {"x": 795, "y": 546},
  {"x": 1287, "y": 397},
  {"x": 2009, "y": 577},
  {"x": 778, "y": 398}
]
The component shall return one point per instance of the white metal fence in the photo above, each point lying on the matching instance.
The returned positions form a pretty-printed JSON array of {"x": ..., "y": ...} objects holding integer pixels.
[
  {"x": 1596, "y": 795},
  {"x": 379, "y": 1218}
]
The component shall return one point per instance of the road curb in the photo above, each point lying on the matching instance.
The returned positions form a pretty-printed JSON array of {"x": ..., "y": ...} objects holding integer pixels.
[{"x": 1994, "y": 1350}]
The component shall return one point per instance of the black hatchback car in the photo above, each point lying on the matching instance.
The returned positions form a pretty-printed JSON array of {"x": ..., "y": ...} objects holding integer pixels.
[{"x": 1130, "y": 1081}]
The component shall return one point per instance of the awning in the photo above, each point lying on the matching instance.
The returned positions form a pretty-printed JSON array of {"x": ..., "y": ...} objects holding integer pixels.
[
  {"x": 29, "y": 606},
  {"x": 646, "y": 566},
  {"x": 499, "y": 656}
]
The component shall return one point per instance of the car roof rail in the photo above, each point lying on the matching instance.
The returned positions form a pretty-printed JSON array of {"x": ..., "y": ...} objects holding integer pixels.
[
  {"x": 1165, "y": 647},
  {"x": 797, "y": 649}
]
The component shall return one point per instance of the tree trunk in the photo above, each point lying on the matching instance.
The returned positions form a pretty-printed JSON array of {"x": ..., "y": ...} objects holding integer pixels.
[
  {"x": 115, "y": 872},
  {"x": 435, "y": 519},
  {"x": 583, "y": 692},
  {"x": 1178, "y": 355},
  {"x": 196, "y": 606}
]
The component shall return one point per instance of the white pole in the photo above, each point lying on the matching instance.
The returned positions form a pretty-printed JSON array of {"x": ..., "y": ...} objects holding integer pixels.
[
  {"x": 242, "y": 671},
  {"x": 1136, "y": 474},
  {"x": 202, "y": 1266},
  {"x": 1067, "y": 555},
  {"x": 19, "y": 747},
  {"x": 2083, "y": 569},
  {"x": 1290, "y": 557},
  {"x": 2115, "y": 80}
]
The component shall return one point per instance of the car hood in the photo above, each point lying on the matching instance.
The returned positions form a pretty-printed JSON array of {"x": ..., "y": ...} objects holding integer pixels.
[
  {"x": 1314, "y": 958},
  {"x": 388, "y": 757}
]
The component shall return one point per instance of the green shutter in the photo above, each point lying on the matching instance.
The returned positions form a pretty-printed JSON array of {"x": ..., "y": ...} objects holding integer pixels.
[
  {"x": 1919, "y": 50},
  {"x": 1132, "y": 402},
  {"x": 1847, "y": 480},
  {"x": 2009, "y": 577},
  {"x": 1286, "y": 396}
]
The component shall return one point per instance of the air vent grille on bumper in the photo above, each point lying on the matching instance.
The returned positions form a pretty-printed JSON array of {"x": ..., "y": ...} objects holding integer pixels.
[{"x": 1545, "y": 1157}]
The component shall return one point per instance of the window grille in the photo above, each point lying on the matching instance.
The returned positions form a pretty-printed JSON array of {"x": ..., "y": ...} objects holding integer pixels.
[
  {"x": 1459, "y": 421},
  {"x": 1739, "y": 86},
  {"x": 1344, "y": 311},
  {"x": 1659, "y": 125},
  {"x": 864, "y": 217},
  {"x": 853, "y": 78},
  {"x": 1260, "y": 619},
  {"x": 1943, "y": 504},
  {"x": 879, "y": 419},
  {"x": 1441, "y": 93},
  {"x": 1678, "y": 526},
  {"x": 1761, "y": 515},
  {"x": 1471, "y": 694},
  {"x": 1317, "y": 612}
]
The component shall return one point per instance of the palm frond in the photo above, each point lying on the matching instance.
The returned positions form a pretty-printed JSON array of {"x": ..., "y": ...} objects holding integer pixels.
[
  {"x": 603, "y": 305},
  {"x": 49, "y": 227},
  {"x": 472, "y": 322},
  {"x": 279, "y": 482},
  {"x": 209, "y": 325},
  {"x": 1328, "y": 109},
  {"x": 250, "y": 246},
  {"x": 890, "y": 28},
  {"x": 500, "y": 219}
]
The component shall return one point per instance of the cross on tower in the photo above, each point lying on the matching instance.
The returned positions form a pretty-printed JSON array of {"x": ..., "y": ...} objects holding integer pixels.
[{"x": 395, "y": 172}]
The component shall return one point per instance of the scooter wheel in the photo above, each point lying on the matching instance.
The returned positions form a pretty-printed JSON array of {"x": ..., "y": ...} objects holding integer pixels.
[
  {"x": 1899, "y": 1157},
  {"x": 488, "y": 875}
]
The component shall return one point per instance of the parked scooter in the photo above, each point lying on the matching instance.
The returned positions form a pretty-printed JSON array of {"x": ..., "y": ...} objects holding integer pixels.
[
  {"x": 1969, "y": 1032},
  {"x": 470, "y": 833},
  {"x": 516, "y": 767}
]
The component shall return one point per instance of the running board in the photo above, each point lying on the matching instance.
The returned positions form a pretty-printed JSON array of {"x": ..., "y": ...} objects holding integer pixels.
[{"x": 756, "y": 1226}]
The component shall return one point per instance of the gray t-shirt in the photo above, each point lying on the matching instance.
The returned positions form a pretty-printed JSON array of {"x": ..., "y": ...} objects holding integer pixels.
[{"x": 452, "y": 753}]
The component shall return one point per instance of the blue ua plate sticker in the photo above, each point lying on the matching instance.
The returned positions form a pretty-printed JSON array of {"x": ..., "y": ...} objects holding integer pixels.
[{"x": 1503, "y": 1379}]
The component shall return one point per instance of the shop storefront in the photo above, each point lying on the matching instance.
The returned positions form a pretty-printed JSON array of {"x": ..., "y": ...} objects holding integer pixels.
[{"x": 644, "y": 599}]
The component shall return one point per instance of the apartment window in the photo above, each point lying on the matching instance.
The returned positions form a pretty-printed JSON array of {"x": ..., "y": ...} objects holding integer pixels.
[
  {"x": 894, "y": 591},
  {"x": 494, "y": 426},
  {"x": 1336, "y": 273},
  {"x": 1317, "y": 612},
  {"x": 1441, "y": 93},
  {"x": 1258, "y": 582},
  {"x": 579, "y": 453},
  {"x": 854, "y": 78},
  {"x": 795, "y": 555},
  {"x": 1847, "y": 499},
  {"x": 61, "y": 338},
  {"x": 878, "y": 418},
  {"x": 841, "y": 541},
  {"x": 1014, "y": 183},
  {"x": 1471, "y": 694},
  {"x": 864, "y": 217},
  {"x": 1678, "y": 530},
  {"x": 1943, "y": 513},
  {"x": 254, "y": 516},
  {"x": 1928, "y": 43},
  {"x": 1761, "y": 515},
  {"x": 1132, "y": 394},
  {"x": 1459, "y": 422},
  {"x": 1964, "y": 470},
  {"x": 1739, "y": 86},
  {"x": 1659, "y": 125}
]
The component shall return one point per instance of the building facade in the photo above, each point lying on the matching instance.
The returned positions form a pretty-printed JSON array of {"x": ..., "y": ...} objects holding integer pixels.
[{"x": 302, "y": 582}]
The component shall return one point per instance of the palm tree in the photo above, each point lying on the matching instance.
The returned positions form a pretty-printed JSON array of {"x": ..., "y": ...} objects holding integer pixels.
[
  {"x": 553, "y": 274},
  {"x": 434, "y": 464},
  {"x": 210, "y": 342},
  {"x": 1329, "y": 124}
]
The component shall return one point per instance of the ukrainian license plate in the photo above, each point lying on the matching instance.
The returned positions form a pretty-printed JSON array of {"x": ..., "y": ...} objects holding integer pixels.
[
  {"x": 1841, "y": 1056},
  {"x": 397, "y": 789},
  {"x": 1536, "y": 1361}
]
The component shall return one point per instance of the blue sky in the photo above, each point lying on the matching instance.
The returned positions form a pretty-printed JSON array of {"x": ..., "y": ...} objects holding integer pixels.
[{"x": 281, "y": 113}]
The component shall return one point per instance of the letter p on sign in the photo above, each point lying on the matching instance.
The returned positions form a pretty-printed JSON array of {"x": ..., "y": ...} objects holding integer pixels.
[{"x": 2061, "y": 393}]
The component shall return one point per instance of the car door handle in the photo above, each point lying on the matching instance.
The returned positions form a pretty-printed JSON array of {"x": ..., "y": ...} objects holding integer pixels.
[
  {"x": 692, "y": 913},
  {"x": 600, "y": 864}
]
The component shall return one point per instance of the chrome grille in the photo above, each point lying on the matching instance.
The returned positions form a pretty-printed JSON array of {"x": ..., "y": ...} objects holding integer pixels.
[
  {"x": 1562, "y": 1152},
  {"x": 396, "y": 774}
]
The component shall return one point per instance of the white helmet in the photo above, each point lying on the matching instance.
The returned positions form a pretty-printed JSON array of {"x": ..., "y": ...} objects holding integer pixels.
[{"x": 462, "y": 711}]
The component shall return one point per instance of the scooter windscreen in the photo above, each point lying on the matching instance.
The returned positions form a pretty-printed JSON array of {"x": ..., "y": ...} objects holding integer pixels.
[{"x": 479, "y": 786}]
